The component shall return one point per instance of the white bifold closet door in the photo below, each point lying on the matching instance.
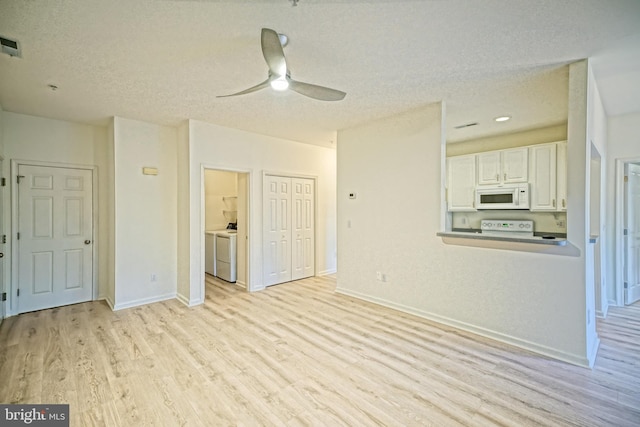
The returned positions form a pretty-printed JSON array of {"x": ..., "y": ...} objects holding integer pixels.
[{"x": 289, "y": 229}]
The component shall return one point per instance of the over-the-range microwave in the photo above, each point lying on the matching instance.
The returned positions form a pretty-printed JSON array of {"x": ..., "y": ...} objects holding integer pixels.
[{"x": 507, "y": 196}]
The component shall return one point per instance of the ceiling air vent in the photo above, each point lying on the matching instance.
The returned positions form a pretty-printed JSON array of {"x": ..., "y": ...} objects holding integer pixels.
[
  {"x": 10, "y": 47},
  {"x": 466, "y": 125}
]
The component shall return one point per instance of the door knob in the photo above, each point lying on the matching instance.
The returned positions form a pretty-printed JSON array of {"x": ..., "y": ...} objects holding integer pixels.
[
  {"x": 86, "y": 242},
  {"x": 1, "y": 254}
]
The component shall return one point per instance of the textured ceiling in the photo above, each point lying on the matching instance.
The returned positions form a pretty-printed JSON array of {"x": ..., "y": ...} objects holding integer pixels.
[{"x": 164, "y": 61}]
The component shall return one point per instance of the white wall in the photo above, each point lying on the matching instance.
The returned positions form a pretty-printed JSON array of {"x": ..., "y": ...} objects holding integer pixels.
[
  {"x": 145, "y": 212},
  {"x": 217, "y": 185},
  {"x": 597, "y": 128},
  {"x": 511, "y": 140},
  {"x": 184, "y": 212},
  {"x": 47, "y": 140},
  {"x": 217, "y": 147},
  {"x": 623, "y": 145},
  {"x": 535, "y": 300}
]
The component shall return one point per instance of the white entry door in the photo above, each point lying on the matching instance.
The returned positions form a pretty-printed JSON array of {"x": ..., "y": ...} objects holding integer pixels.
[
  {"x": 632, "y": 282},
  {"x": 55, "y": 242},
  {"x": 277, "y": 230},
  {"x": 303, "y": 255}
]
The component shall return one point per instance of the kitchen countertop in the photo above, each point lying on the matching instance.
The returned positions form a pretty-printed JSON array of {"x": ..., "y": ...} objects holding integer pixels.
[{"x": 477, "y": 235}]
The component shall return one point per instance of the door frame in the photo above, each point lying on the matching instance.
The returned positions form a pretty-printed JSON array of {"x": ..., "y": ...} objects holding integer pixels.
[
  {"x": 315, "y": 216},
  {"x": 3, "y": 270},
  {"x": 13, "y": 282},
  {"x": 249, "y": 208},
  {"x": 619, "y": 228}
]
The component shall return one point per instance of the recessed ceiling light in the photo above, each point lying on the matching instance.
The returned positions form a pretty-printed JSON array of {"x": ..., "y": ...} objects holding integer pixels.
[{"x": 502, "y": 118}]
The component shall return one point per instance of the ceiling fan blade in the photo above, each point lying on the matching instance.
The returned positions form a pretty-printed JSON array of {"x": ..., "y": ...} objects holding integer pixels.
[
  {"x": 273, "y": 53},
  {"x": 251, "y": 89},
  {"x": 320, "y": 93}
]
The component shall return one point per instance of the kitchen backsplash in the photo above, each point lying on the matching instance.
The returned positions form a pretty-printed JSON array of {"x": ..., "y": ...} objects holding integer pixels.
[{"x": 548, "y": 222}]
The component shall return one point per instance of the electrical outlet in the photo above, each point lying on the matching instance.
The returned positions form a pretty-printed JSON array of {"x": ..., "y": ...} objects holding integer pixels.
[
  {"x": 154, "y": 278},
  {"x": 560, "y": 223}
]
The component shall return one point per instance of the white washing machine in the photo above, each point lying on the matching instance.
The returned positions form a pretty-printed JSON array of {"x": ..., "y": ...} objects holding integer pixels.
[
  {"x": 226, "y": 256},
  {"x": 210, "y": 251}
]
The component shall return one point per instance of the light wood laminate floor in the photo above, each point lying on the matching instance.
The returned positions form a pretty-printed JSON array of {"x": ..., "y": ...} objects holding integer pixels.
[{"x": 300, "y": 354}]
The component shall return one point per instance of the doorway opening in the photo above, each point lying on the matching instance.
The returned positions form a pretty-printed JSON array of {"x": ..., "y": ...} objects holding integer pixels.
[
  {"x": 627, "y": 262},
  {"x": 225, "y": 225}
]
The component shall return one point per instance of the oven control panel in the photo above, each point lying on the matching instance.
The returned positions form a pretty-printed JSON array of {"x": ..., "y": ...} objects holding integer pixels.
[{"x": 507, "y": 226}]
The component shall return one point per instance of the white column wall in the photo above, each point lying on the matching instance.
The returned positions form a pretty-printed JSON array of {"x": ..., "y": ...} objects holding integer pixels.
[
  {"x": 184, "y": 212},
  {"x": 145, "y": 213},
  {"x": 218, "y": 147}
]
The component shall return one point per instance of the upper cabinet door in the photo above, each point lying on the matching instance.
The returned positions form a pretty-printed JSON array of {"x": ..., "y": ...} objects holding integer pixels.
[
  {"x": 461, "y": 183},
  {"x": 515, "y": 165},
  {"x": 489, "y": 168},
  {"x": 503, "y": 166},
  {"x": 543, "y": 177},
  {"x": 561, "y": 175}
]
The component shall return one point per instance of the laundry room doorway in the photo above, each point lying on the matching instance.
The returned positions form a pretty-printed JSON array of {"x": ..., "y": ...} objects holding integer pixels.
[{"x": 226, "y": 226}]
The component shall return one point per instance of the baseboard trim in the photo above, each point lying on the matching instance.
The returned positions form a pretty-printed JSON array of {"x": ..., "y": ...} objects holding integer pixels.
[
  {"x": 189, "y": 303},
  {"x": 487, "y": 333},
  {"x": 144, "y": 301},
  {"x": 593, "y": 352},
  {"x": 109, "y": 302},
  {"x": 327, "y": 272}
]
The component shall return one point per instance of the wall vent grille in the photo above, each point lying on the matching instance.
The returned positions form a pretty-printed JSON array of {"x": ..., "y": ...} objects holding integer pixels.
[{"x": 10, "y": 47}]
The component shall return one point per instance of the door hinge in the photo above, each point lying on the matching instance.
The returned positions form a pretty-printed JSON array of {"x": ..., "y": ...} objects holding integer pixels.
[
  {"x": 3, "y": 182},
  {"x": 626, "y": 285},
  {"x": 18, "y": 235},
  {"x": 4, "y": 296},
  {"x": 4, "y": 238},
  {"x": 625, "y": 232},
  {"x": 18, "y": 292}
]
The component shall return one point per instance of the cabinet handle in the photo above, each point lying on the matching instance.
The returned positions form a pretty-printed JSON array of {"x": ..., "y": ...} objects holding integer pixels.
[
  {"x": 497, "y": 177},
  {"x": 553, "y": 203},
  {"x": 505, "y": 176},
  {"x": 563, "y": 204}
]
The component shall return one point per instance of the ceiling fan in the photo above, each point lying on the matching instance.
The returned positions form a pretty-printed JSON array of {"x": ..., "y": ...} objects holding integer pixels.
[{"x": 280, "y": 76}]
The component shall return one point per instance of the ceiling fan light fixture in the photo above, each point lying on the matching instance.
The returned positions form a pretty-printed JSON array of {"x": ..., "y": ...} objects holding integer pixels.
[
  {"x": 280, "y": 84},
  {"x": 502, "y": 118}
]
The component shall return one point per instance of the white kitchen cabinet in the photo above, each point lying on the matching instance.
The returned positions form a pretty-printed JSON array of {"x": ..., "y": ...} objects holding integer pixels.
[
  {"x": 542, "y": 169},
  {"x": 503, "y": 166},
  {"x": 461, "y": 183},
  {"x": 489, "y": 168},
  {"x": 561, "y": 175}
]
